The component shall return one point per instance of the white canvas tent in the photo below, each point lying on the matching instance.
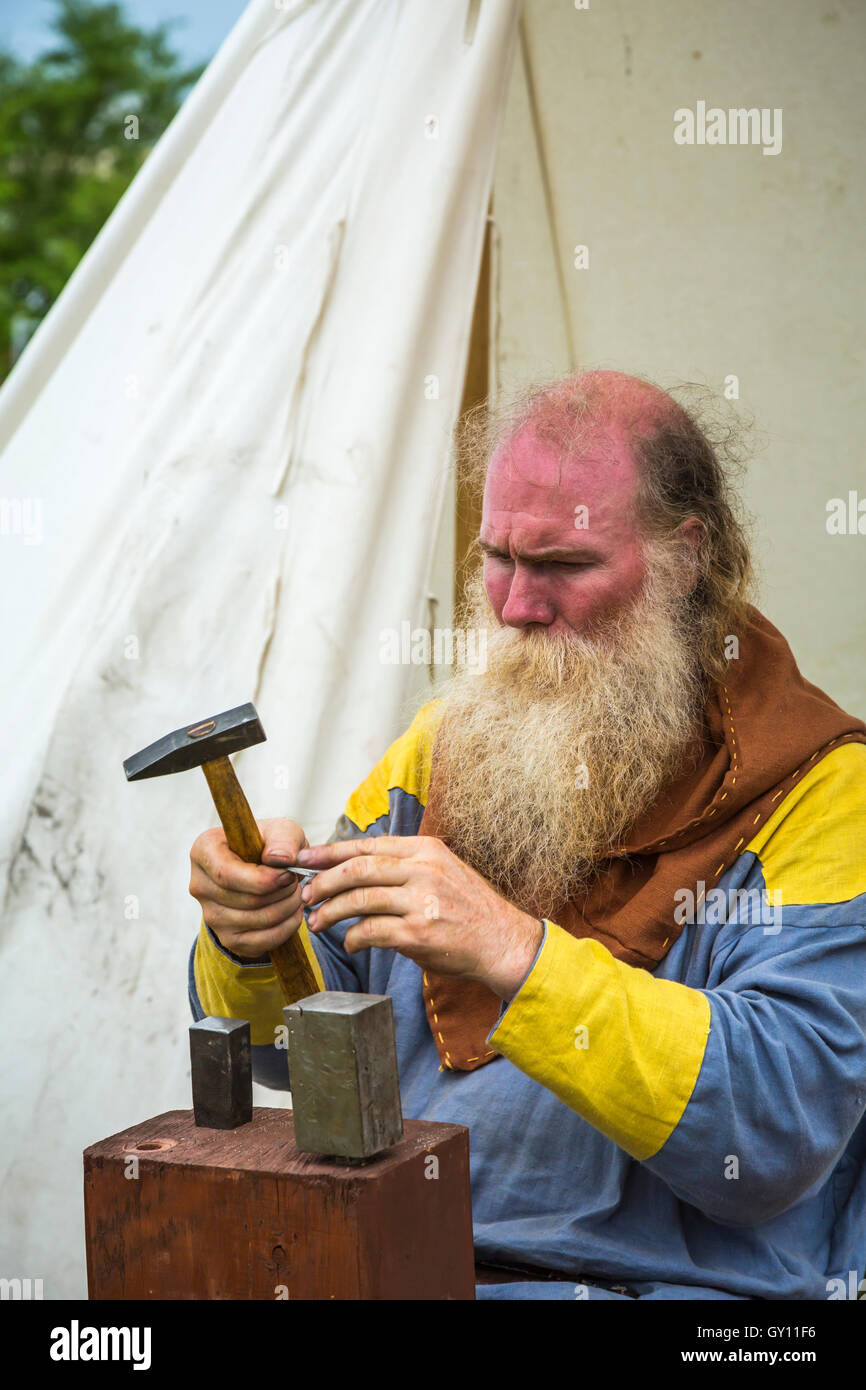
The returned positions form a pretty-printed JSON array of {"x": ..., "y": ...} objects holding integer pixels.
[{"x": 232, "y": 433}]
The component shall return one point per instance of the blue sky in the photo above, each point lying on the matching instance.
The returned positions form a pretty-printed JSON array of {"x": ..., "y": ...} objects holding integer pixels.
[{"x": 25, "y": 24}]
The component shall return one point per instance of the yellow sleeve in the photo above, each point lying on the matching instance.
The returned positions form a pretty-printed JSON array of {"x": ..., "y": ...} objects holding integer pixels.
[
  {"x": 227, "y": 989},
  {"x": 617, "y": 1045}
]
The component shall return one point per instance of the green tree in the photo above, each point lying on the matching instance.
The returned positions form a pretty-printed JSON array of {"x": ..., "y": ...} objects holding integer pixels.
[{"x": 68, "y": 148}]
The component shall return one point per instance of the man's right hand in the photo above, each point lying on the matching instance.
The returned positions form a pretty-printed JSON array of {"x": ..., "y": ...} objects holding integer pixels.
[{"x": 250, "y": 908}]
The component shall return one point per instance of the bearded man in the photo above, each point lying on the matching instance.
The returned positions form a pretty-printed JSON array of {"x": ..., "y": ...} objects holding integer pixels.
[{"x": 614, "y": 884}]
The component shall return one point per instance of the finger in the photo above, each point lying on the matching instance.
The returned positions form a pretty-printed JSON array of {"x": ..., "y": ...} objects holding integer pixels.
[
  {"x": 242, "y": 924},
  {"x": 363, "y": 869},
  {"x": 232, "y": 874},
  {"x": 325, "y": 856},
  {"x": 381, "y": 932},
  {"x": 361, "y": 902},
  {"x": 250, "y": 944},
  {"x": 203, "y": 889},
  {"x": 283, "y": 839}
]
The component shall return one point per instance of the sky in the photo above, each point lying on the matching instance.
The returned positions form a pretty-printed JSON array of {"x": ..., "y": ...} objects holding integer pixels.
[{"x": 25, "y": 24}]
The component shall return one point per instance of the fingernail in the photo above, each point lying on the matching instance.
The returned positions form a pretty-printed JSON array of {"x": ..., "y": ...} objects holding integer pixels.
[
  {"x": 305, "y": 893},
  {"x": 281, "y": 852}
]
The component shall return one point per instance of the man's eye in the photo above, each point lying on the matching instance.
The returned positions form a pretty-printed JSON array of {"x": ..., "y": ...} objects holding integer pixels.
[{"x": 542, "y": 564}]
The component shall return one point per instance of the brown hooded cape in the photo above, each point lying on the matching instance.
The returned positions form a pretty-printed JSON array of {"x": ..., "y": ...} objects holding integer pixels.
[{"x": 765, "y": 726}]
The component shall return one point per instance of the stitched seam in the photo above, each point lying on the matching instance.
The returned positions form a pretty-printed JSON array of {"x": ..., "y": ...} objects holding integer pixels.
[
  {"x": 790, "y": 778},
  {"x": 705, "y": 815},
  {"x": 491, "y": 1052}
]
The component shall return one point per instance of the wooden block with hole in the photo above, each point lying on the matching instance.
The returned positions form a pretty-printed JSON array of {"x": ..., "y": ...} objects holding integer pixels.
[{"x": 176, "y": 1211}]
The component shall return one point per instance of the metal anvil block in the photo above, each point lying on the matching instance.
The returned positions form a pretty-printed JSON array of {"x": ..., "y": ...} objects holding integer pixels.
[
  {"x": 221, "y": 1072},
  {"x": 343, "y": 1074}
]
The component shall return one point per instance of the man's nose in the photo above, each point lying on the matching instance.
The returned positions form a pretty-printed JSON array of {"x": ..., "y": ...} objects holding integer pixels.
[{"x": 527, "y": 602}]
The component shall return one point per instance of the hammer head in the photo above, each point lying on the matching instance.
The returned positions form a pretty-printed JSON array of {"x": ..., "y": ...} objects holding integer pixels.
[{"x": 196, "y": 744}]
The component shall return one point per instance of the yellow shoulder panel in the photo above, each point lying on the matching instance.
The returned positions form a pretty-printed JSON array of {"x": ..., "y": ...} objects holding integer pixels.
[
  {"x": 615, "y": 1044},
  {"x": 813, "y": 847},
  {"x": 406, "y": 765}
]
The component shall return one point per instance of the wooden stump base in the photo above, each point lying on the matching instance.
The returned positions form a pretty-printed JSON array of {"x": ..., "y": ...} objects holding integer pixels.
[{"x": 174, "y": 1211}]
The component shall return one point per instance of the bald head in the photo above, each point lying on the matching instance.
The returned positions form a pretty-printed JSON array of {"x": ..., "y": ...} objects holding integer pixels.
[
  {"x": 614, "y": 400},
  {"x": 599, "y": 411}
]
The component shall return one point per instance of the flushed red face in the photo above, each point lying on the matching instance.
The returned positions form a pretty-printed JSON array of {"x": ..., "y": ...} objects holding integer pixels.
[{"x": 560, "y": 552}]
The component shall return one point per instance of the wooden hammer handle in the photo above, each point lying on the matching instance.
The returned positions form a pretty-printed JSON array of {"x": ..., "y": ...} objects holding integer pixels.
[{"x": 291, "y": 962}]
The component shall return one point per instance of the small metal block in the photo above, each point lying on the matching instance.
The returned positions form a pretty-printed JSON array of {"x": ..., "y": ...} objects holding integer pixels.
[
  {"x": 343, "y": 1074},
  {"x": 222, "y": 1073}
]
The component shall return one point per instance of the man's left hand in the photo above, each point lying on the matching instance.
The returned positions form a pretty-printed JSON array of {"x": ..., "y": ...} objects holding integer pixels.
[{"x": 416, "y": 896}]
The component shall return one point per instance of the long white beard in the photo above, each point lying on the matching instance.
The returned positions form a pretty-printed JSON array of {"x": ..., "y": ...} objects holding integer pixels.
[{"x": 549, "y": 756}]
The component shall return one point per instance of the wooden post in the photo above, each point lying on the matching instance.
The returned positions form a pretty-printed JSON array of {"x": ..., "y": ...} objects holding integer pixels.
[
  {"x": 476, "y": 388},
  {"x": 175, "y": 1211}
]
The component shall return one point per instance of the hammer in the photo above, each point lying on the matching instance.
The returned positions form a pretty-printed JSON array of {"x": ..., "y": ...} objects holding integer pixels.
[{"x": 207, "y": 745}]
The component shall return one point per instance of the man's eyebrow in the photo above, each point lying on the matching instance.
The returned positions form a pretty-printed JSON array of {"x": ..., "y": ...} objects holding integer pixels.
[{"x": 554, "y": 552}]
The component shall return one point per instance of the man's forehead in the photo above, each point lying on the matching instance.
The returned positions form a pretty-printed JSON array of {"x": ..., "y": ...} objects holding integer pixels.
[{"x": 529, "y": 476}]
